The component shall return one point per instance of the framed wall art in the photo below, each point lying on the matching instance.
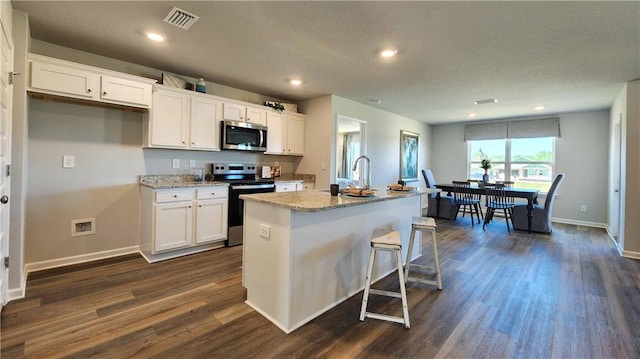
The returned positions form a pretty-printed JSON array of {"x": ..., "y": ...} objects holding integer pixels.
[{"x": 409, "y": 142}]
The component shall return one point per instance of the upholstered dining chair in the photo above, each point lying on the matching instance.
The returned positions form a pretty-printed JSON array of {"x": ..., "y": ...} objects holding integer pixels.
[
  {"x": 541, "y": 220},
  {"x": 465, "y": 198},
  {"x": 448, "y": 209},
  {"x": 498, "y": 200}
]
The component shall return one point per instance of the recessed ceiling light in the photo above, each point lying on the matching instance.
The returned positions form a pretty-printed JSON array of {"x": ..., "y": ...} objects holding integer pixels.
[
  {"x": 296, "y": 82},
  {"x": 388, "y": 53},
  {"x": 155, "y": 37},
  {"x": 539, "y": 107},
  {"x": 482, "y": 102},
  {"x": 471, "y": 114}
]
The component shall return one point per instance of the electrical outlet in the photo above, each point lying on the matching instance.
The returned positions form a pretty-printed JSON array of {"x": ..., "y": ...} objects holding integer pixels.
[
  {"x": 583, "y": 208},
  {"x": 265, "y": 231},
  {"x": 68, "y": 161},
  {"x": 175, "y": 163},
  {"x": 192, "y": 163}
]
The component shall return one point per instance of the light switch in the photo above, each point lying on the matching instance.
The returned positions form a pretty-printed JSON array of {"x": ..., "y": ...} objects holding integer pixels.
[{"x": 68, "y": 161}]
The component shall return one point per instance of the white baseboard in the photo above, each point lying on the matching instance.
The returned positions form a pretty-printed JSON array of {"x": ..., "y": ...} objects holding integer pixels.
[
  {"x": 631, "y": 254},
  {"x": 83, "y": 258},
  {"x": 18, "y": 293},
  {"x": 579, "y": 223}
]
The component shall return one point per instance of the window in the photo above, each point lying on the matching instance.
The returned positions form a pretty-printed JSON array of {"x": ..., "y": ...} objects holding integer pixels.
[{"x": 529, "y": 162}]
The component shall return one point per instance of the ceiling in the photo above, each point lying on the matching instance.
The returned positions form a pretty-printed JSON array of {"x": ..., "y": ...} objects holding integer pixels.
[{"x": 567, "y": 56}]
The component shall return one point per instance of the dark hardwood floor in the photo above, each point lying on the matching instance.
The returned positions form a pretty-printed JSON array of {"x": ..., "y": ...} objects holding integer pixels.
[{"x": 518, "y": 295}]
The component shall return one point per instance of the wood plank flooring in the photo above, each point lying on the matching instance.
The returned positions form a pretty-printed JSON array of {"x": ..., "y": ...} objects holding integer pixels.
[{"x": 518, "y": 295}]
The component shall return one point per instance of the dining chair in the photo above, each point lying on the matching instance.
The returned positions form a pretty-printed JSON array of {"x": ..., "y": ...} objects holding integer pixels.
[
  {"x": 541, "y": 220},
  {"x": 464, "y": 198},
  {"x": 448, "y": 208},
  {"x": 509, "y": 184},
  {"x": 497, "y": 200}
]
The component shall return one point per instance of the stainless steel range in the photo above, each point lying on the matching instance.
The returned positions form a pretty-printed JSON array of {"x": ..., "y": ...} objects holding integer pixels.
[{"x": 242, "y": 180}]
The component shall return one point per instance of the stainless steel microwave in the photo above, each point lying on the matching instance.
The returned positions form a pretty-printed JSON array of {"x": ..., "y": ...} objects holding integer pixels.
[{"x": 243, "y": 136}]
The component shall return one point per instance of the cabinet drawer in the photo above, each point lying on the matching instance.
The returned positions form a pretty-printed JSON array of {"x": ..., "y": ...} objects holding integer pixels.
[
  {"x": 174, "y": 196},
  {"x": 212, "y": 192}
]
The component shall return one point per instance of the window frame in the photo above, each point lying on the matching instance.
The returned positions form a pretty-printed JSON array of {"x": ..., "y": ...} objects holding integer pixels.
[{"x": 508, "y": 162}]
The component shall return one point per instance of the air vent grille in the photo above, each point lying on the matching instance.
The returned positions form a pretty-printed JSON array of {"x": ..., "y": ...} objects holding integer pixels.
[{"x": 180, "y": 18}]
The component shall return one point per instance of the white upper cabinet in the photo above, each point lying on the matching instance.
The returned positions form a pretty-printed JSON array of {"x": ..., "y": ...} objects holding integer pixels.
[
  {"x": 238, "y": 112},
  {"x": 275, "y": 133},
  {"x": 166, "y": 124},
  {"x": 115, "y": 89},
  {"x": 206, "y": 114},
  {"x": 70, "y": 80},
  {"x": 63, "y": 80},
  {"x": 295, "y": 134},
  {"x": 182, "y": 119},
  {"x": 285, "y": 134}
]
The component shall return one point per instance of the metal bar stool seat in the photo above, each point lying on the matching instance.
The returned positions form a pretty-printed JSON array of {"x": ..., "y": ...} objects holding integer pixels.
[
  {"x": 385, "y": 240},
  {"x": 425, "y": 225}
]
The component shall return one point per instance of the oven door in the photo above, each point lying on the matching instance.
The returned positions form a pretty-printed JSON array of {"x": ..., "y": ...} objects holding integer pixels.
[
  {"x": 236, "y": 209},
  {"x": 243, "y": 136}
]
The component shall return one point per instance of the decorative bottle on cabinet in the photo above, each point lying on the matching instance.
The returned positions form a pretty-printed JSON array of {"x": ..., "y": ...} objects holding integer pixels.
[{"x": 201, "y": 86}]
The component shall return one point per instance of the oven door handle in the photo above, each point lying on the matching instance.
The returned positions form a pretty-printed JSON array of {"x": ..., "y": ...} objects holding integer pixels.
[{"x": 252, "y": 186}]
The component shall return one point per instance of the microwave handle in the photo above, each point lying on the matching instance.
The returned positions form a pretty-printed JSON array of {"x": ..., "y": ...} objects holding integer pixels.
[{"x": 261, "y": 138}]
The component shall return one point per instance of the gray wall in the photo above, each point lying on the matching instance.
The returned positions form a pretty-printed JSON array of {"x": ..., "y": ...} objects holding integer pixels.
[
  {"x": 382, "y": 136},
  {"x": 581, "y": 154}
]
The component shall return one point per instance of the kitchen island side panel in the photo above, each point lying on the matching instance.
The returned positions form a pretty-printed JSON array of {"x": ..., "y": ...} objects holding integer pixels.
[
  {"x": 330, "y": 253},
  {"x": 266, "y": 261}
]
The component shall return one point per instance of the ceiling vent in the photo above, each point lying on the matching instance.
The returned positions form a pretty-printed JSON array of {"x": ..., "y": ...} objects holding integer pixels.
[{"x": 180, "y": 18}]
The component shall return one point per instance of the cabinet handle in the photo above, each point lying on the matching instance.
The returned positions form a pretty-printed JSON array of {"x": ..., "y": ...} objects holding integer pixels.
[
  {"x": 104, "y": 93},
  {"x": 193, "y": 143},
  {"x": 213, "y": 194},
  {"x": 175, "y": 196},
  {"x": 189, "y": 206},
  {"x": 183, "y": 142},
  {"x": 200, "y": 205},
  {"x": 88, "y": 90}
]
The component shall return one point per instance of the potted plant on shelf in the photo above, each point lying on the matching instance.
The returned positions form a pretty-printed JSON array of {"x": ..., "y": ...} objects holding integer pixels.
[{"x": 485, "y": 164}]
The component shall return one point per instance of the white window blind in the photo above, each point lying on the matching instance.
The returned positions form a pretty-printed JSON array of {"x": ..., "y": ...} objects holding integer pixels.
[{"x": 544, "y": 127}]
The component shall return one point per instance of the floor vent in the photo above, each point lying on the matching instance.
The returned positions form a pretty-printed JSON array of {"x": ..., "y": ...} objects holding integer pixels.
[{"x": 180, "y": 18}]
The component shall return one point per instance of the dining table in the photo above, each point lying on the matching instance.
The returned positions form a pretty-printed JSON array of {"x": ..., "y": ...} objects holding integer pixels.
[{"x": 530, "y": 194}]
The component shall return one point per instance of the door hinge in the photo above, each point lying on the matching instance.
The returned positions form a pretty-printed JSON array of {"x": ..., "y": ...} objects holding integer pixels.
[
  {"x": 11, "y": 76},
  {"x": 6, "y": 262},
  {"x": 8, "y": 171}
]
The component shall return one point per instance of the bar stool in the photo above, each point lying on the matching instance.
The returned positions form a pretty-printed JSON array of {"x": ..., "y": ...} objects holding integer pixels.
[
  {"x": 385, "y": 240},
  {"x": 424, "y": 225}
]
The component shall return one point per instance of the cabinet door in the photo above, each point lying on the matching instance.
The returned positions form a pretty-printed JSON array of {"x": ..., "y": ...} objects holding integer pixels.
[
  {"x": 295, "y": 135},
  {"x": 169, "y": 120},
  {"x": 275, "y": 133},
  {"x": 205, "y": 118},
  {"x": 173, "y": 227},
  {"x": 125, "y": 91},
  {"x": 211, "y": 220},
  {"x": 234, "y": 112},
  {"x": 257, "y": 115},
  {"x": 63, "y": 80}
]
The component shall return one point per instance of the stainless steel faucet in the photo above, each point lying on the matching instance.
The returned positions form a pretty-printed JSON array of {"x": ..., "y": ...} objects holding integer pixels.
[{"x": 367, "y": 184}]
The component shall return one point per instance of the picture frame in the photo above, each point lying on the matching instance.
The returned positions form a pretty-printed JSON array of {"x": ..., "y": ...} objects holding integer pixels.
[{"x": 409, "y": 149}]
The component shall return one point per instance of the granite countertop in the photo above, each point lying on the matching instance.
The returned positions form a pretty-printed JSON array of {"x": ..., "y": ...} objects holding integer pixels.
[
  {"x": 321, "y": 200},
  {"x": 176, "y": 181}
]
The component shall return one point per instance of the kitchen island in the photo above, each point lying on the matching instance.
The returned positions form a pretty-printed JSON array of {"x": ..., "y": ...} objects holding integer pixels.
[{"x": 305, "y": 252}]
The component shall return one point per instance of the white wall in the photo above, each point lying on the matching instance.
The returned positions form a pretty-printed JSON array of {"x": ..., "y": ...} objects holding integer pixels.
[
  {"x": 581, "y": 154},
  {"x": 631, "y": 158}
]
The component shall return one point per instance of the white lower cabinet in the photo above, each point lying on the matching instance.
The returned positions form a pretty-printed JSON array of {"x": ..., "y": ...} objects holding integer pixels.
[
  {"x": 177, "y": 222},
  {"x": 174, "y": 225}
]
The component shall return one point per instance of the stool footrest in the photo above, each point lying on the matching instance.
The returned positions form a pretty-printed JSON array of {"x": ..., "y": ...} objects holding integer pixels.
[
  {"x": 389, "y": 318},
  {"x": 422, "y": 266},
  {"x": 421, "y": 280},
  {"x": 385, "y": 293}
]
